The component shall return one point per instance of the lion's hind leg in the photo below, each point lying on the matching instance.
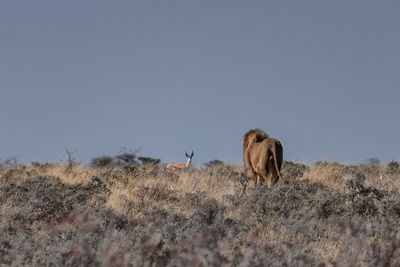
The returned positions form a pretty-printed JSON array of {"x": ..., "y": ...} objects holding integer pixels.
[
  {"x": 253, "y": 178},
  {"x": 263, "y": 175},
  {"x": 273, "y": 174},
  {"x": 269, "y": 166},
  {"x": 252, "y": 175},
  {"x": 260, "y": 179}
]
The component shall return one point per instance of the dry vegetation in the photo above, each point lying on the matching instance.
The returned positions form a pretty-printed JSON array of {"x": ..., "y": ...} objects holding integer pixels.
[{"x": 327, "y": 214}]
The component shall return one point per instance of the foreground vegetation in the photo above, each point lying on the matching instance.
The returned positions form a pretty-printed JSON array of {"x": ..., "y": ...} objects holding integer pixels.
[{"x": 146, "y": 215}]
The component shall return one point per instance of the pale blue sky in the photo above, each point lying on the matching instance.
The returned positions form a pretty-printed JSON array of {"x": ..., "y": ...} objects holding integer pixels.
[{"x": 169, "y": 76}]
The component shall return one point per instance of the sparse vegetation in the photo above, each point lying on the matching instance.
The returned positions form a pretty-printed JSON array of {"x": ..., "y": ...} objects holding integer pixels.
[
  {"x": 102, "y": 161},
  {"x": 148, "y": 160},
  {"x": 213, "y": 163},
  {"x": 327, "y": 214},
  {"x": 128, "y": 158}
]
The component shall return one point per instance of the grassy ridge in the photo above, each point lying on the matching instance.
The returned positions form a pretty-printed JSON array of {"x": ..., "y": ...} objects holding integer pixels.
[{"x": 145, "y": 215}]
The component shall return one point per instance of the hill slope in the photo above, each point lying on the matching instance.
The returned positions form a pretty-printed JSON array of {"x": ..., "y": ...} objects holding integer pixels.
[{"x": 145, "y": 215}]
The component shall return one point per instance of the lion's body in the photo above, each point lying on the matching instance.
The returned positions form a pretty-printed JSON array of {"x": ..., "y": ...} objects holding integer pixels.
[{"x": 263, "y": 157}]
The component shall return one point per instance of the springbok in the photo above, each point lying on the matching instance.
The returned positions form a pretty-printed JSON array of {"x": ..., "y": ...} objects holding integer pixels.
[{"x": 182, "y": 166}]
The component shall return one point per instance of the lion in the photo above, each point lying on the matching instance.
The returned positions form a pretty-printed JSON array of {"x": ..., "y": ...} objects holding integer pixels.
[{"x": 263, "y": 157}]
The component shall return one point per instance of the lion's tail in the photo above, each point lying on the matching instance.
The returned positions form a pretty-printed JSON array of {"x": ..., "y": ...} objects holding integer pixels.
[{"x": 276, "y": 147}]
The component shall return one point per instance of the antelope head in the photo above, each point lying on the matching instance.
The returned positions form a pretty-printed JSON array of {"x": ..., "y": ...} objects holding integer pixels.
[
  {"x": 189, "y": 156},
  {"x": 189, "y": 159}
]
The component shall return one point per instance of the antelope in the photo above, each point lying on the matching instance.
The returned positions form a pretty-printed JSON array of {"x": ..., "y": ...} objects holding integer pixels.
[{"x": 182, "y": 166}]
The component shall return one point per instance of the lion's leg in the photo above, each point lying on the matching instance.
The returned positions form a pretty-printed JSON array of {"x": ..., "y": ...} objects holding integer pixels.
[
  {"x": 269, "y": 180},
  {"x": 268, "y": 171},
  {"x": 273, "y": 174},
  {"x": 258, "y": 179},
  {"x": 253, "y": 178}
]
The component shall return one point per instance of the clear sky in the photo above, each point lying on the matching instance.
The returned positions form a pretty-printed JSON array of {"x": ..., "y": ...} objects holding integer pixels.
[{"x": 168, "y": 76}]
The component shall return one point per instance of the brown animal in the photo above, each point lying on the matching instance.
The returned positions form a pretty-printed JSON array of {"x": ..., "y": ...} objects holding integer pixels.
[
  {"x": 263, "y": 157},
  {"x": 182, "y": 166}
]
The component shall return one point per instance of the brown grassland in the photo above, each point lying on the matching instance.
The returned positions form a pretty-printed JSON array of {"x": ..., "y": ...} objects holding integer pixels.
[{"x": 325, "y": 214}]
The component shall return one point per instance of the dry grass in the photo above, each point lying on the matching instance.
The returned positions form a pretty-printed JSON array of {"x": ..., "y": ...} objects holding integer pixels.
[
  {"x": 328, "y": 213},
  {"x": 335, "y": 175},
  {"x": 331, "y": 174}
]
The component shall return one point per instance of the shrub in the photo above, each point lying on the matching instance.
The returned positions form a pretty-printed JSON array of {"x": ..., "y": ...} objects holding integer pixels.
[
  {"x": 151, "y": 161},
  {"x": 392, "y": 167},
  {"x": 128, "y": 158},
  {"x": 291, "y": 170},
  {"x": 373, "y": 161},
  {"x": 102, "y": 161},
  {"x": 213, "y": 163}
]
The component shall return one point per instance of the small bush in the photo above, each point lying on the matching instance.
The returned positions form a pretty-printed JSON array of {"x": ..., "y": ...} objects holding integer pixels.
[
  {"x": 10, "y": 162},
  {"x": 128, "y": 158},
  {"x": 150, "y": 161},
  {"x": 392, "y": 167},
  {"x": 213, "y": 163},
  {"x": 291, "y": 170},
  {"x": 102, "y": 161},
  {"x": 373, "y": 161}
]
